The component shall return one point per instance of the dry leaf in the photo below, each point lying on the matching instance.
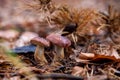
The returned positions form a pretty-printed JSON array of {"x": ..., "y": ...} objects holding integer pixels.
[
  {"x": 87, "y": 56},
  {"x": 81, "y": 60},
  {"x": 104, "y": 59}
]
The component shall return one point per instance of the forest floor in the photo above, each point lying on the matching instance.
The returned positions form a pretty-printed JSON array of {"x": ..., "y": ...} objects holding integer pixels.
[{"x": 79, "y": 41}]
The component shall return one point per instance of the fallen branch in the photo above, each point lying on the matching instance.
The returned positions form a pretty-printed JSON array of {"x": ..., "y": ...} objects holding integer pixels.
[{"x": 59, "y": 76}]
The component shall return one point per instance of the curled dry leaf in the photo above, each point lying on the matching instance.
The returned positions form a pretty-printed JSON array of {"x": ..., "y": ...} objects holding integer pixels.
[
  {"x": 104, "y": 59},
  {"x": 98, "y": 58},
  {"x": 82, "y": 60},
  {"x": 85, "y": 57},
  {"x": 88, "y": 56}
]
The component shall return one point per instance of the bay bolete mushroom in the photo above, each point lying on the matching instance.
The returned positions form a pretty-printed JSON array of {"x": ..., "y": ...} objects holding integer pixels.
[
  {"x": 60, "y": 43},
  {"x": 39, "y": 52}
]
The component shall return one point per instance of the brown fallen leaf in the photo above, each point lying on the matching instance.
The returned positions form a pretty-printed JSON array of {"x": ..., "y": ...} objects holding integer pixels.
[
  {"x": 87, "y": 56},
  {"x": 104, "y": 59},
  {"x": 98, "y": 58},
  {"x": 82, "y": 60}
]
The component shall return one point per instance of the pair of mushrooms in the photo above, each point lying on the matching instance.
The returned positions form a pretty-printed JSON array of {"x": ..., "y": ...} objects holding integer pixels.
[{"x": 59, "y": 42}]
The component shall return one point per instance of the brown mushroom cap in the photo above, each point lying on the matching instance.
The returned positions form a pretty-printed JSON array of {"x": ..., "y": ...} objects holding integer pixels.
[
  {"x": 59, "y": 40},
  {"x": 40, "y": 41}
]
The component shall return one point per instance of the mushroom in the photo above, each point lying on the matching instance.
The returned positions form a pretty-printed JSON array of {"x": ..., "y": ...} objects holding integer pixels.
[
  {"x": 60, "y": 43},
  {"x": 39, "y": 52}
]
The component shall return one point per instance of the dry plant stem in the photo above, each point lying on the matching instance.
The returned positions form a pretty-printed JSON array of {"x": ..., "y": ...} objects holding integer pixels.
[
  {"x": 59, "y": 52},
  {"x": 59, "y": 76},
  {"x": 39, "y": 55},
  {"x": 74, "y": 38}
]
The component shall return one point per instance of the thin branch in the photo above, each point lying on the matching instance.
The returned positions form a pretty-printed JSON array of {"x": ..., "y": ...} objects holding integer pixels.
[{"x": 59, "y": 76}]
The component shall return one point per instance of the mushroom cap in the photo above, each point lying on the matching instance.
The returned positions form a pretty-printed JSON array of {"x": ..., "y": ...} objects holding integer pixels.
[
  {"x": 40, "y": 41},
  {"x": 59, "y": 40}
]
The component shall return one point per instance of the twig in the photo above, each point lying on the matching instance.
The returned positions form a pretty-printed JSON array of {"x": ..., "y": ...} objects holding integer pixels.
[
  {"x": 51, "y": 76},
  {"x": 59, "y": 76},
  {"x": 11, "y": 74}
]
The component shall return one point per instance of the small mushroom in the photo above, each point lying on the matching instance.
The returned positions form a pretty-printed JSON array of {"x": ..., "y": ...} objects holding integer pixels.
[
  {"x": 60, "y": 43},
  {"x": 39, "y": 52}
]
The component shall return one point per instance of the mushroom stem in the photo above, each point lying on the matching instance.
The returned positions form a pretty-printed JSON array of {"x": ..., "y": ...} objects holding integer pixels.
[
  {"x": 59, "y": 52},
  {"x": 39, "y": 55}
]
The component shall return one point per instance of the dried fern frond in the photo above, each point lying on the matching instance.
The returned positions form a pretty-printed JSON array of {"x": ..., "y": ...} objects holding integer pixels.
[
  {"x": 62, "y": 16},
  {"x": 40, "y": 5},
  {"x": 42, "y": 9},
  {"x": 87, "y": 16},
  {"x": 67, "y": 16},
  {"x": 110, "y": 22},
  {"x": 112, "y": 18}
]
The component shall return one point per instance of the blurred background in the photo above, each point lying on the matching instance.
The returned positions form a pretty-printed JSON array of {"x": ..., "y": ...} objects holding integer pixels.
[
  {"x": 16, "y": 13},
  {"x": 11, "y": 11}
]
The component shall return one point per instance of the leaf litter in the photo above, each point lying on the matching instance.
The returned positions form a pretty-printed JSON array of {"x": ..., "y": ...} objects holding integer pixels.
[{"x": 95, "y": 43}]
